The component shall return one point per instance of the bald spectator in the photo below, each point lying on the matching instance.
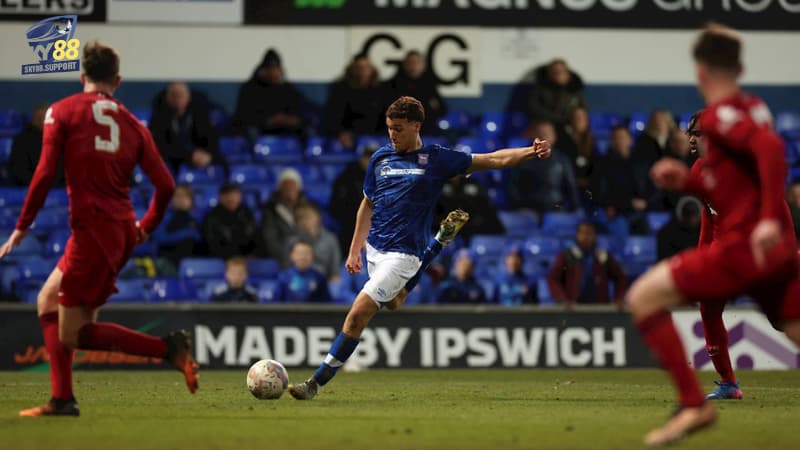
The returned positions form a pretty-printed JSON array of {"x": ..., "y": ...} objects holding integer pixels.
[
  {"x": 26, "y": 149},
  {"x": 182, "y": 130}
]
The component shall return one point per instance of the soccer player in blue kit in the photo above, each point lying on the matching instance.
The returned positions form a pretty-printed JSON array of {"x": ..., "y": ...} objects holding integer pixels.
[{"x": 401, "y": 188}]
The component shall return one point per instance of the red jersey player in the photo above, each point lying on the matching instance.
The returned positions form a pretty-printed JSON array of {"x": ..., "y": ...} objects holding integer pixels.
[
  {"x": 101, "y": 143},
  {"x": 711, "y": 313},
  {"x": 755, "y": 251}
]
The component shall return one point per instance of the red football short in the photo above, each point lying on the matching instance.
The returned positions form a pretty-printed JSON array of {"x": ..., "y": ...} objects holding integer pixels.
[
  {"x": 726, "y": 269},
  {"x": 93, "y": 257}
]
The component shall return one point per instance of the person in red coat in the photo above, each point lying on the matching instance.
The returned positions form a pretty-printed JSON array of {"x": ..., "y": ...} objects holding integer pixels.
[{"x": 583, "y": 273}]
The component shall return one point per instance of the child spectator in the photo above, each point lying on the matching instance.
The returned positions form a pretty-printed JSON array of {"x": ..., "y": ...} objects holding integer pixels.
[
  {"x": 462, "y": 287},
  {"x": 179, "y": 233},
  {"x": 301, "y": 282},
  {"x": 512, "y": 287},
  {"x": 235, "y": 288}
]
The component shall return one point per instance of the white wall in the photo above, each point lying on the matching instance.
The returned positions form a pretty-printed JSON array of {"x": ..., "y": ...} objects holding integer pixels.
[{"x": 318, "y": 54}]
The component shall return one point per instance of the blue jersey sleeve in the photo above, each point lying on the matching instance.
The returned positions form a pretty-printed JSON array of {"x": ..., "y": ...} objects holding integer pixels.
[
  {"x": 451, "y": 163},
  {"x": 369, "y": 179}
]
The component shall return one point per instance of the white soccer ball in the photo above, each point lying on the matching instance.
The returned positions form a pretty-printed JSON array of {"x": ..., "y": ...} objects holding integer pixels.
[{"x": 267, "y": 379}]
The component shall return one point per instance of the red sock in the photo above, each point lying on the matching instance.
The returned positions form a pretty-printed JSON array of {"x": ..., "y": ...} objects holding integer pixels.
[
  {"x": 660, "y": 335},
  {"x": 717, "y": 340},
  {"x": 60, "y": 358},
  {"x": 116, "y": 338}
]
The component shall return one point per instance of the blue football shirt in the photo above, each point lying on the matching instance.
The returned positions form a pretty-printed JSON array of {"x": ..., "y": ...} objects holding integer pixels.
[{"x": 404, "y": 189}]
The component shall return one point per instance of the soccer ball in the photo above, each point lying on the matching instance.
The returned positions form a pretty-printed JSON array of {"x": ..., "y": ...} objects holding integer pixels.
[{"x": 267, "y": 379}]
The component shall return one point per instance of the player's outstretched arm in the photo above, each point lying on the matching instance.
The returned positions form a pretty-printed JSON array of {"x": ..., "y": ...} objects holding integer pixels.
[
  {"x": 509, "y": 157},
  {"x": 363, "y": 223}
]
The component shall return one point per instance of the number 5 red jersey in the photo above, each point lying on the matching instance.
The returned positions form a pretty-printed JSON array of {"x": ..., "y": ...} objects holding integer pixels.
[{"x": 101, "y": 143}]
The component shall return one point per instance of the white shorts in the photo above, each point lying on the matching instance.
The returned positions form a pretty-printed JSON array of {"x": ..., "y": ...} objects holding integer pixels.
[{"x": 388, "y": 273}]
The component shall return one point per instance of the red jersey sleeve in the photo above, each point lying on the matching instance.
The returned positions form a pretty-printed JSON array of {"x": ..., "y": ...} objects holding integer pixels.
[
  {"x": 156, "y": 170},
  {"x": 45, "y": 173},
  {"x": 750, "y": 131}
]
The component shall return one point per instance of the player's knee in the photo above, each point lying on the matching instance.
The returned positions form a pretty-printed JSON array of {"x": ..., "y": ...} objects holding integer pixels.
[{"x": 47, "y": 300}]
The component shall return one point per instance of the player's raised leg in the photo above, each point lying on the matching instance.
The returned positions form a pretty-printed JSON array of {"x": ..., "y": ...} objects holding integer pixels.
[
  {"x": 448, "y": 229},
  {"x": 62, "y": 401},
  {"x": 650, "y": 298},
  {"x": 362, "y": 311},
  {"x": 717, "y": 347}
]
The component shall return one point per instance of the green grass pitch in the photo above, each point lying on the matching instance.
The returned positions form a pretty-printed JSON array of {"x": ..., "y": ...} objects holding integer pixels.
[{"x": 394, "y": 409}]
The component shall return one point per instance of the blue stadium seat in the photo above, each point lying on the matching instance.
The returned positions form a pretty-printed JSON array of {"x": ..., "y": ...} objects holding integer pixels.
[
  {"x": 30, "y": 246},
  {"x": 262, "y": 268},
  {"x": 56, "y": 243},
  {"x": 171, "y": 289},
  {"x": 436, "y": 140},
  {"x": 656, "y": 220},
  {"x": 493, "y": 125},
  {"x": 541, "y": 250},
  {"x": 519, "y": 223},
  {"x": 473, "y": 145},
  {"x": 518, "y": 142},
  {"x": 202, "y": 268},
  {"x": 131, "y": 290},
  {"x": 278, "y": 150},
  {"x": 57, "y": 198},
  {"x": 205, "y": 196},
  {"x": 561, "y": 223},
  {"x": 637, "y": 122},
  {"x": 218, "y": 117},
  {"x": 487, "y": 284},
  {"x": 602, "y": 145},
  {"x": 422, "y": 293},
  {"x": 268, "y": 291},
  {"x": 543, "y": 292},
  {"x": 787, "y": 121},
  {"x": 488, "y": 247},
  {"x": 251, "y": 174},
  {"x": 206, "y": 289},
  {"x": 12, "y": 196},
  {"x": 35, "y": 269},
  {"x": 207, "y": 175},
  {"x": 329, "y": 172},
  {"x": 601, "y": 123},
  {"x": 640, "y": 249},
  {"x": 10, "y": 122},
  {"x": 454, "y": 122},
  {"x": 236, "y": 149},
  {"x": 380, "y": 140},
  {"x": 322, "y": 150},
  {"x": 143, "y": 114},
  {"x": 147, "y": 248},
  {"x": 633, "y": 268},
  {"x": 50, "y": 219},
  {"x": 5, "y": 149},
  {"x": 319, "y": 193}
]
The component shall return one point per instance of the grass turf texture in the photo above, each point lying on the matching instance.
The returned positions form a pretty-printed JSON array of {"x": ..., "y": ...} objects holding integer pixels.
[{"x": 389, "y": 409}]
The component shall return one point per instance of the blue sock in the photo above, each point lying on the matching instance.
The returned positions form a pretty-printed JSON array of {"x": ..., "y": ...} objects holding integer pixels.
[
  {"x": 433, "y": 250},
  {"x": 341, "y": 349}
]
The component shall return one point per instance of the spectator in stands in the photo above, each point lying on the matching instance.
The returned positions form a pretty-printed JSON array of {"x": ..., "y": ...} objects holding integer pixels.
[
  {"x": 466, "y": 194},
  {"x": 462, "y": 287},
  {"x": 544, "y": 184},
  {"x": 26, "y": 149},
  {"x": 677, "y": 148},
  {"x": 584, "y": 273},
  {"x": 512, "y": 287},
  {"x": 415, "y": 80},
  {"x": 278, "y": 215},
  {"x": 327, "y": 255},
  {"x": 347, "y": 193},
  {"x": 182, "y": 130},
  {"x": 229, "y": 229},
  {"x": 556, "y": 92},
  {"x": 301, "y": 282},
  {"x": 577, "y": 143},
  {"x": 235, "y": 288},
  {"x": 651, "y": 145},
  {"x": 683, "y": 229},
  {"x": 614, "y": 182},
  {"x": 355, "y": 103},
  {"x": 178, "y": 235},
  {"x": 793, "y": 197},
  {"x": 267, "y": 103}
]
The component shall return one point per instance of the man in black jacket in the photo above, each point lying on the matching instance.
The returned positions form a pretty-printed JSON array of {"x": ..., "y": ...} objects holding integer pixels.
[
  {"x": 26, "y": 149},
  {"x": 229, "y": 229},
  {"x": 415, "y": 80},
  {"x": 347, "y": 193}
]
